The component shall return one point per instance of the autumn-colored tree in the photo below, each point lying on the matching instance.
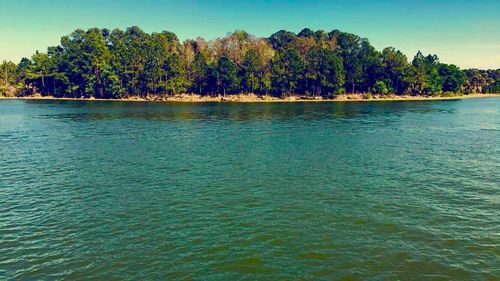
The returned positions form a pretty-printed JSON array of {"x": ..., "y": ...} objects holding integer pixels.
[{"x": 119, "y": 63}]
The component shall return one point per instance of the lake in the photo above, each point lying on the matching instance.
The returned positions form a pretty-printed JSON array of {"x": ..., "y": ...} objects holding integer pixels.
[{"x": 219, "y": 191}]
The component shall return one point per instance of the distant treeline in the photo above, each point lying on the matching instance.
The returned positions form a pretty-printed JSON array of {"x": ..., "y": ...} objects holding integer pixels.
[{"x": 114, "y": 64}]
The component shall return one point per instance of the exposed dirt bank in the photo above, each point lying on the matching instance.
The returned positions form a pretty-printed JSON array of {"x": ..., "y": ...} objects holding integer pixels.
[{"x": 255, "y": 98}]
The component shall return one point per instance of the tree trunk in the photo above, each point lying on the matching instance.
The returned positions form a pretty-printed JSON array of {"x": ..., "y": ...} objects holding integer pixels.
[{"x": 43, "y": 84}]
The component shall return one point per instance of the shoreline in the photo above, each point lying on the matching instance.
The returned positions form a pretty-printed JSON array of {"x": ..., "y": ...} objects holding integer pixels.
[{"x": 251, "y": 98}]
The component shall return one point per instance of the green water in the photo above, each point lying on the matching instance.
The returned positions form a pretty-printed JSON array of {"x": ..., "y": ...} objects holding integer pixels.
[{"x": 148, "y": 191}]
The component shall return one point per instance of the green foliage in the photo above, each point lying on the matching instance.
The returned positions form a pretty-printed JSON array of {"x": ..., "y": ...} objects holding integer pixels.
[
  {"x": 452, "y": 77},
  {"x": 395, "y": 65},
  {"x": 495, "y": 88},
  {"x": 287, "y": 68},
  {"x": 428, "y": 78},
  {"x": 252, "y": 71},
  {"x": 118, "y": 63},
  {"x": 380, "y": 88},
  {"x": 200, "y": 72},
  {"x": 281, "y": 39},
  {"x": 349, "y": 49},
  {"x": 227, "y": 78},
  {"x": 306, "y": 32},
  {"x": 8, "y": 73},
  {"x": 482, "y": 81},
  {"x": 324, "y": 72},
  {"x": 175, "y": 73}
]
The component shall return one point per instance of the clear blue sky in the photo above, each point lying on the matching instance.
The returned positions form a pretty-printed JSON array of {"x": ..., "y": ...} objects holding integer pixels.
[{"x": 466, "y": 33}]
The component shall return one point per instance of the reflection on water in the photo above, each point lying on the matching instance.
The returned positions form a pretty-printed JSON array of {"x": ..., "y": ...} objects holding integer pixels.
[
  {"x": 367, "y": 190},
  {"x": 102, "y": 110}
]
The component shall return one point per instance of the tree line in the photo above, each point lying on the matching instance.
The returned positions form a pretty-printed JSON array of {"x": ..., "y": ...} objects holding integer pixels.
[{"x": 115, "y": 64}]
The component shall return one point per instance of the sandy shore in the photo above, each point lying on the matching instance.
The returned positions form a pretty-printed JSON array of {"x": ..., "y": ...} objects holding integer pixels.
[{"x": 254, "y": 98}]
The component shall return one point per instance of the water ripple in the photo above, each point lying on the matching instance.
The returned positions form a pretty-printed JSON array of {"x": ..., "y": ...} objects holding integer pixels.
[{"x": 354, "y": 191}]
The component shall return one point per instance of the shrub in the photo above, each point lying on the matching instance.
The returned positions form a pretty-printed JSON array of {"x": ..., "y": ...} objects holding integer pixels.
[{"x": 380, "y": 88}]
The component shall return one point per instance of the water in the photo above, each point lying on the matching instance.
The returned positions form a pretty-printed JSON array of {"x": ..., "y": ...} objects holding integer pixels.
[{"x": 352, "y": 191}]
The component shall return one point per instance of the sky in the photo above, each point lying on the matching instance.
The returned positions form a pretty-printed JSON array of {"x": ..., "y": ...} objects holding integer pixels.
[{"x": 465, "y": 33}]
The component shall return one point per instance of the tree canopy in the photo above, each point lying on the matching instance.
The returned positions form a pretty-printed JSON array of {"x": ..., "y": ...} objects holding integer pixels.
[{"x": 105, "y": 63}]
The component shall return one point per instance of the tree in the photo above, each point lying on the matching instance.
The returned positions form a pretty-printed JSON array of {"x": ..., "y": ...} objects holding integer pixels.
[
  {"x": 332, "y": 73},
  {"x": 428, "y": 72},
  {"x": 199, "y": 70},
  {"x": 8, "y": 75},
  {"x": 159, "y": 48},
  {"x": 370, "y": 61},
  {"x": 265, "y": 53},
  {"x": 303, "y": 45},
  {"x": 306, "y": 32},
  {"x": 129, "y": 58},
  {"x": 324, "y": 72},
  {"x": 416, "y": 78},
  {"x": 40, "y": 72},
  {"x": 83, "y": 58},
  {"x": 95, "y": 56},
  {"x": 252, "y": 71},
  {"x": 349, "y": 46},
  {"x": 7, "y": 72},
  {"x": 394, "y": 64},
  {"x": 380, "y": 88},
  {"x": 314, "y": 66},
  {"x": 453, "y": 78},
  {"x": 176, "y": 74},
  {"x": 114, "y": 64},
  {"x": 281, "y": 39},
  {"x": 481, "y": 81},
  {"x": 287, "y": 71},
  {"x": 188, "y": 56},
  {"x": 227, "y": 75}
]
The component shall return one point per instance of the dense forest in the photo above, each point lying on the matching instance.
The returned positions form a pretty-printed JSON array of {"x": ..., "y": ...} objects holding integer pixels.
[{"x": 101, "y": 63}]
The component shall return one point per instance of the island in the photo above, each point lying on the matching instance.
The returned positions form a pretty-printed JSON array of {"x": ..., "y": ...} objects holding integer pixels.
[{"x": 133, "y": 65}]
